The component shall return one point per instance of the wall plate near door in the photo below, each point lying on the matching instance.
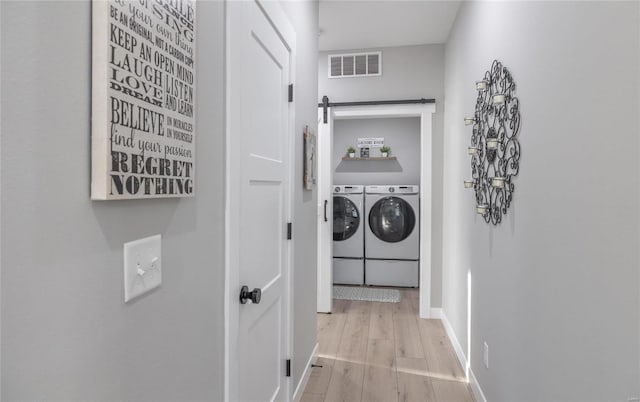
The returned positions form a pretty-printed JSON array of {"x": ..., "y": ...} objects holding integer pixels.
[
  {"x": 142, "y": 266},
  {"x": 485, "y": 356}
]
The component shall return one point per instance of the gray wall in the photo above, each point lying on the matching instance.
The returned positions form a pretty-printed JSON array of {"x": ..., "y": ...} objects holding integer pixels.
[
  {"x": 555, "y": 287},
  {"x": 401, "y": 134},
  {"x": 66, "y": 333},
  {"x": 408, "y": 72},
  {"x": 304, "y": 17}
]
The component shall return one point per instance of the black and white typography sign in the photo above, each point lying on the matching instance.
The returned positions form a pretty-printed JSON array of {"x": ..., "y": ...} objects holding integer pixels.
[
  {"x": 370, "y": 142},
  {"x": 143, "y": 134}
]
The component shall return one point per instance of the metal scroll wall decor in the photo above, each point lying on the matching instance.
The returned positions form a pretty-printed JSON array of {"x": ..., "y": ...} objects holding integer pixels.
[{"x": 494, "y": 150}]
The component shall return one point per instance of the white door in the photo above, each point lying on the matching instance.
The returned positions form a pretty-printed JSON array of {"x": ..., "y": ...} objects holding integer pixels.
[
  {"x": 259, "y": 200},
  {"x": 325, "y": 216}
]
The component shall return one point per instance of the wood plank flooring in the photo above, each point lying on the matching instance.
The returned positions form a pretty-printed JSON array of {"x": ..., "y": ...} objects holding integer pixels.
[{"x": 384, "y": 352}]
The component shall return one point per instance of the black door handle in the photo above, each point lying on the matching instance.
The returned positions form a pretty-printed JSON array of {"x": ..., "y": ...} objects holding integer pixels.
[
  {"x": 326, "y": 202},
  {"x": 255, "y": 295}
]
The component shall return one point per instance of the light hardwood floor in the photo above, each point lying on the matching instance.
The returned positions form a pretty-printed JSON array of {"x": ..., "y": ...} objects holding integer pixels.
[{"x": 384, "y": 352}]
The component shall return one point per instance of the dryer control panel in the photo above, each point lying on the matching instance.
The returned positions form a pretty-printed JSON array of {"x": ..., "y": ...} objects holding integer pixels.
[{"x": 392, "y": 189}]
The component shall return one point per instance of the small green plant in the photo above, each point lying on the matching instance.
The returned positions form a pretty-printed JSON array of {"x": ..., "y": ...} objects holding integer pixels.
[
  {"x": 351, "y": 150},
  {"x": 385, "y": 149}
]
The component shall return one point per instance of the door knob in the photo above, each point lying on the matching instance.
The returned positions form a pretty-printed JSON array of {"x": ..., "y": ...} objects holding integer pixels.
[{"x": 254, "y": 295}]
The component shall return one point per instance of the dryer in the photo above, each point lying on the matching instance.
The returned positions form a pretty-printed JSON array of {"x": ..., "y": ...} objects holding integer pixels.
[
  {"x": 348, "y": 235},
  {"x": 392, "y": 238}
]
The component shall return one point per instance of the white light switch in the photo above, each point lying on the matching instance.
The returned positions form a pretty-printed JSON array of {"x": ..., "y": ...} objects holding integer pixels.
[{"x": 142, "y": 266}]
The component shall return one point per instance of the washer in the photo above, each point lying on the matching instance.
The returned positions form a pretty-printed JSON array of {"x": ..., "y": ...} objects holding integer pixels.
[
  {"x": 348, "y": 235},
  {"x": 392, "y": 238}
]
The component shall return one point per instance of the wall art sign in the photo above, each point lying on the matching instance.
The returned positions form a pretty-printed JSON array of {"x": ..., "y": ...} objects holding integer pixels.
[
  {"x": 143, "y": 94},
  {"x": 370, "y": 142},
  {"x": 309, "y": 174}
]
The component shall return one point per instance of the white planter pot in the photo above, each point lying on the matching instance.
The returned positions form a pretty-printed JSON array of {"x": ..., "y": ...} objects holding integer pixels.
[
  {"x": 352, "y": 155},
  {"x": 384, "y": 154}
]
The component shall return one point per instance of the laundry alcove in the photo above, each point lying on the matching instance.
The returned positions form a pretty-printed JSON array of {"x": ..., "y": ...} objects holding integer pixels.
[{"x": 332, "y": 116}]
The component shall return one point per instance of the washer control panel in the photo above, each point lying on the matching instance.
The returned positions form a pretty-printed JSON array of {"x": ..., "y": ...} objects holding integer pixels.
[{"x": 348, "y": 189}]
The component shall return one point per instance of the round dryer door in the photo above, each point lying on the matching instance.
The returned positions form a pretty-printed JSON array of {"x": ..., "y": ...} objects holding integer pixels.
[
  {"x": 346, "y": 218},
  {"x": 392, "y": 219}
]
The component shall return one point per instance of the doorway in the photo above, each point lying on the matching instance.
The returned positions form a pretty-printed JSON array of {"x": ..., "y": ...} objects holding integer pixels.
[{"x": 326, "y": 126}]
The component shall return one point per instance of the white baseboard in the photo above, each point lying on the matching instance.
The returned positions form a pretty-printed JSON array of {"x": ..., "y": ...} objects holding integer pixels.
[
  {"x": 462, "y": 358},
  {"x": 436, "y": 313},
  {"x": 475, "y": 386},
  {"x": 297, "y": 395}
]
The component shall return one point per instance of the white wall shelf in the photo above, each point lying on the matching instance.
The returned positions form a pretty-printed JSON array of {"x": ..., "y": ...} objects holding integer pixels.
[{"x": 372, "y": 158}]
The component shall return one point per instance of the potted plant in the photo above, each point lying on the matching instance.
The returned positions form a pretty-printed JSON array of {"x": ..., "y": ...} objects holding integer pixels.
[
  {"x": 352, "y": 152},
  {"x": 384, "y": 150}
]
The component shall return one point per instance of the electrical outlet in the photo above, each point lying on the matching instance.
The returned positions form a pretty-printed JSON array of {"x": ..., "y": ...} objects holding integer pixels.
[
  {"x": 142, "y": 266},
  {"x": 486, "y": 355}
]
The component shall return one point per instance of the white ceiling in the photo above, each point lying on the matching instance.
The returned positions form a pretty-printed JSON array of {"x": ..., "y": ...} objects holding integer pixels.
[{"x": 361, "y": 24}]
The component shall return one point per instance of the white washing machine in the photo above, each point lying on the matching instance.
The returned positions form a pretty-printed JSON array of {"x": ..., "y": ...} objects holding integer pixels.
[
  {"x": 348, "y": 235},
  {"x": 392, "y": 238}
]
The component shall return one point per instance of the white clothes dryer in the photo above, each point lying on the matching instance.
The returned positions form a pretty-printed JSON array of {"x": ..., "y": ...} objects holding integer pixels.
[{"x": 392, "y": 238}]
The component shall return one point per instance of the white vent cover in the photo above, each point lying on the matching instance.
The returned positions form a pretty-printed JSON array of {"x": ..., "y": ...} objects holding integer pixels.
[{"x": 355, "y": 65}]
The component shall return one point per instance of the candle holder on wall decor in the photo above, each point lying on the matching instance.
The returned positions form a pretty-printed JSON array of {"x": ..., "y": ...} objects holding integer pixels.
[{"x": 494, "y": 149}]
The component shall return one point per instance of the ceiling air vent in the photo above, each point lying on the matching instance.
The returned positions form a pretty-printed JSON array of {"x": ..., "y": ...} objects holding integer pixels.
[{"x": 355, "y": 65}]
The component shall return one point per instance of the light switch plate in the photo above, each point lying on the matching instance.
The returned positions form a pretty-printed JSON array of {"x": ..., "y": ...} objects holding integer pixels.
[{"x": 142, "y": 266}]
